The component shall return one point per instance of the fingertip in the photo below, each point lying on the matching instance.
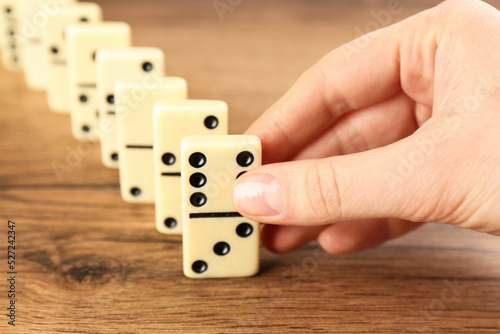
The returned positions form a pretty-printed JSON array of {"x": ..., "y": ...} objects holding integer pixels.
[
  {"x": 258, "y": 195},
  {"x": 275, "y": 240},
  {"x": 360, "y": 235},
  {"x": 336, "y": 243},
  {"x": 354, "y": 236},
  {"x": 285, "y": 239}
]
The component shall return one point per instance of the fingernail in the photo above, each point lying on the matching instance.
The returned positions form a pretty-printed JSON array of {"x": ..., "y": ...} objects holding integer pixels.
[{"x": 258, "y": 195}]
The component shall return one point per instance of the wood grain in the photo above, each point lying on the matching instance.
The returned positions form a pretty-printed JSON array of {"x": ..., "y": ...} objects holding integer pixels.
[{"x": 90, "y": 263}]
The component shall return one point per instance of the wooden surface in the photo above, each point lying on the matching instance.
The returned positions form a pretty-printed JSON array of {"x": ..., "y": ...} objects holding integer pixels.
[{"x": 90, "y": 263}]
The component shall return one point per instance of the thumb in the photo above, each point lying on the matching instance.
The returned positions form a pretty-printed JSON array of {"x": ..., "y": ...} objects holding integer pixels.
[{"x": 341, "y": 188}]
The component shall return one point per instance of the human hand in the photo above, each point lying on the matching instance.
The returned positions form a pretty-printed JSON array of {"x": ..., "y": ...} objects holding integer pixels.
[{"x": 373, "y": 141}]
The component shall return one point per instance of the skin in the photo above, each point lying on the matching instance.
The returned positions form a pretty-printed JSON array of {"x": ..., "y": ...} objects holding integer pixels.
[{"x": 383, "y": 134}]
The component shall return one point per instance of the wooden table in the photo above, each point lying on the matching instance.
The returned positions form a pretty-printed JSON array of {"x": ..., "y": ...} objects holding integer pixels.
[{"x": 89, "y": 263}]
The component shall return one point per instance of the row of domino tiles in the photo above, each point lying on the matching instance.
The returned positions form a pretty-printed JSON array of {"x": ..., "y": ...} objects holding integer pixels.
[{"x": 169, "y": 150}]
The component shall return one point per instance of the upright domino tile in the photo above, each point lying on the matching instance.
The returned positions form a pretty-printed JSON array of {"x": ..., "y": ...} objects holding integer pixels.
[
  {"x": 134, "y": 114},
  {"x": 34, "y": 16},
  {"x": 82, "y": 42},
  {"x": 139, "y": 64},
  {"x": 9, "y": 30},
  {"x": 217, "y": 240},
  {"x": 174, "y": 120},
  {"x": 54, "y": 45}
]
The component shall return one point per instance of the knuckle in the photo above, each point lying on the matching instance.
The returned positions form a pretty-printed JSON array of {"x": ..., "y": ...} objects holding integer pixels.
[
  {"x": 474, "y": 212},
  {"x": 323, "y": 192},
  {"x": 460, "y": 14}
]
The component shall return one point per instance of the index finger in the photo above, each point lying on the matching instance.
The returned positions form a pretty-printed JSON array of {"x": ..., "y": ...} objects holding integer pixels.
[{"x": 356, "y": 75}]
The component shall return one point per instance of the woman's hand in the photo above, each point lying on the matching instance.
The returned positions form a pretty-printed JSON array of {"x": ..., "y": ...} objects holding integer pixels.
[{"x": 399, "y": 127}]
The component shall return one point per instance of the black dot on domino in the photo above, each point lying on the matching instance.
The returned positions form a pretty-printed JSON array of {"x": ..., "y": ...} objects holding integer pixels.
[
  {"x": 83, "y": 98},
  {"x": 54, "y": 50},
  {"x": 94, "y": 55},
  {"x": 240, "y": 174},
  {"x": 211, "y": 122},
  {"x": 244, "y": 230},
  {"x": 168, "y": 159},
  {"x": 245, "y": 159},
  {"x": 198, "y": 199},
  {"x": 135, "y": 191},
  {"x": 197, "y": 160},
  {"x": 114, "y": 156},
  {"x": 85, "y": 128},
  {"x": 170, "y": 222},
  {"x": 110, "y": 99},
  {"x": 11, "y": 33},
  {"x": 198, "y": 180},
  {"x": 222, "y": 248},
  {"x": 199, "y": 267},
  {"x": 84, "y": 19},
  {"x": 147, "y": 66},
  {"x": 8, "y": 10}
]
